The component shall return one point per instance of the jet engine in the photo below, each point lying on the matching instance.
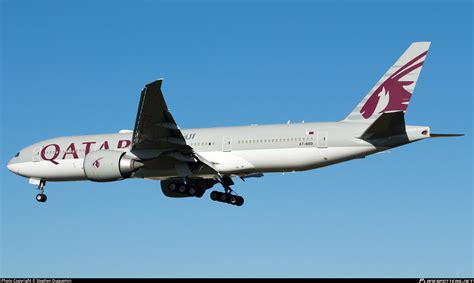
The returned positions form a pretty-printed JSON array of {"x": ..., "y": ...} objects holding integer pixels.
[{"x": 109, "y": 165}]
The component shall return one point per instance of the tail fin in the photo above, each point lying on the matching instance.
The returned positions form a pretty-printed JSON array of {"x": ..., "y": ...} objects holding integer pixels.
[{"x": 393, "y": 91}]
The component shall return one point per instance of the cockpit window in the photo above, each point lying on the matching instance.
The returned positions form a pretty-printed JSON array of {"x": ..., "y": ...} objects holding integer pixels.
[{"x": 17, "y": 154}]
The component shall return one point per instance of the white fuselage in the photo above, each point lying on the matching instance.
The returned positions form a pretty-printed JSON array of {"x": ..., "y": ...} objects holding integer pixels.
[{"x": 232, "y": 150}]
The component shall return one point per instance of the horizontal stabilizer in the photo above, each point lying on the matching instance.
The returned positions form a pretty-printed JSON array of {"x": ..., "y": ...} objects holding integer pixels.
[
  {"x": 445, "y": 135},
  {"x": 388, "y": 124}
]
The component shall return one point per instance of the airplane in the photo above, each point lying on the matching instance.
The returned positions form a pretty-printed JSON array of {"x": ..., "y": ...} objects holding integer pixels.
[{"x": 190, "y": 161}]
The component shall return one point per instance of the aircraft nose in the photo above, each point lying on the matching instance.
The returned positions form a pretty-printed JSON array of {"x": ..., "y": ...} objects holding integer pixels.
[{"x": 12, "y": 167}]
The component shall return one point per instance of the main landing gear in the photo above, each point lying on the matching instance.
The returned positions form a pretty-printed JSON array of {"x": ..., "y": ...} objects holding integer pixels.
[
  {"x": 41, "y": 197},
  {"x": 186, "y": 189},
  {"x": 227, "y": 196},
  {"x": 196, "y": 187}
]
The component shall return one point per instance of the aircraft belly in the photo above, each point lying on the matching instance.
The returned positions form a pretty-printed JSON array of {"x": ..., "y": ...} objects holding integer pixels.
[{"x": 297, "y": 159}]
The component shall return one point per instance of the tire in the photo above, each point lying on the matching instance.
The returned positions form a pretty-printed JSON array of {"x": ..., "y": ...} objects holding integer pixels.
[
  {"x": 233, "y": 200},
  {"x": 214, "y": 195},
  {"x": 182, "y": 189},
  {"x": 172, "y": 187},
  {"x": 41, "y": 197},
  {"x": 192, "y": 191},
  {"x": 223, "y": 197},
  {"x": 240, "y": 201}
]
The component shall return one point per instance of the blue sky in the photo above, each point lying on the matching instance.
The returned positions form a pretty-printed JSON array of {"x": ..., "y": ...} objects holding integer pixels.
[{"x": 77, "y": 67}]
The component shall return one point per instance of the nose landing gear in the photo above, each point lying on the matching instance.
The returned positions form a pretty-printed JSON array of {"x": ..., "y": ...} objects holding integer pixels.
[{"x": 41, "y": 197}]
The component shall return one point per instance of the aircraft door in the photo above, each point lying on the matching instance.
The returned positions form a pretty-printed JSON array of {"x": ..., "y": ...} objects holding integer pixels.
[
  {"x": 36, "y": 154},
  {"x": 227, "y": 143},
  {"x": 322, "y": 139}
]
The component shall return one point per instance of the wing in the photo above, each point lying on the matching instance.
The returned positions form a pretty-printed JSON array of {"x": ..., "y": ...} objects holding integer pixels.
[
  {"x": 155, "y": 127},
  {"x": 156, "y": 132}
]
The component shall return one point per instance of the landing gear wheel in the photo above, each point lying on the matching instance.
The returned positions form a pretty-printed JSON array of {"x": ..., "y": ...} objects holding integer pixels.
[
  {"x": 182, "y": 188},
  {"x": 41, "y": 197},
  {"x": 214, "y": 195},
  {"x": 223, "y": 197},
  {"x": 227, "y": 198},
  {"x": 172, "y": 187},
  {"x": 192, "y": 191}
]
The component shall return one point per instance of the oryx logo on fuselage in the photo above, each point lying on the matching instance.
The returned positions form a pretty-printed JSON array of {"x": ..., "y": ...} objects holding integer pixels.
[
  {"x": 96, "y": 163},
  {"x": 392, "y": 95}
]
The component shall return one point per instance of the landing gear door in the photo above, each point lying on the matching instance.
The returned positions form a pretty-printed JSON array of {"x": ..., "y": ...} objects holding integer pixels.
[
  {"x": 36, "y": 154},
  {"x": 227, "y": 143},
  {"x": 322, "y": 139}
]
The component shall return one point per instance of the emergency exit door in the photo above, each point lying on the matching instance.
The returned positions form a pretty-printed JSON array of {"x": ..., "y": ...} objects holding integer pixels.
[
  {"x": 37, "y": 154},
  {"x": 322, "y": 139}
]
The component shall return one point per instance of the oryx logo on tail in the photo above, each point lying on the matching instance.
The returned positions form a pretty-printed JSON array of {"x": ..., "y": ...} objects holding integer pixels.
[
  {"x": 393, "y": 94},
  {"x": 393, "y": 91}
]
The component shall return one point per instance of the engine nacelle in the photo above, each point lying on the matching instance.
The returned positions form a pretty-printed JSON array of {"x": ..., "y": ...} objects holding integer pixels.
[{"x": 109, "y": 165}]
